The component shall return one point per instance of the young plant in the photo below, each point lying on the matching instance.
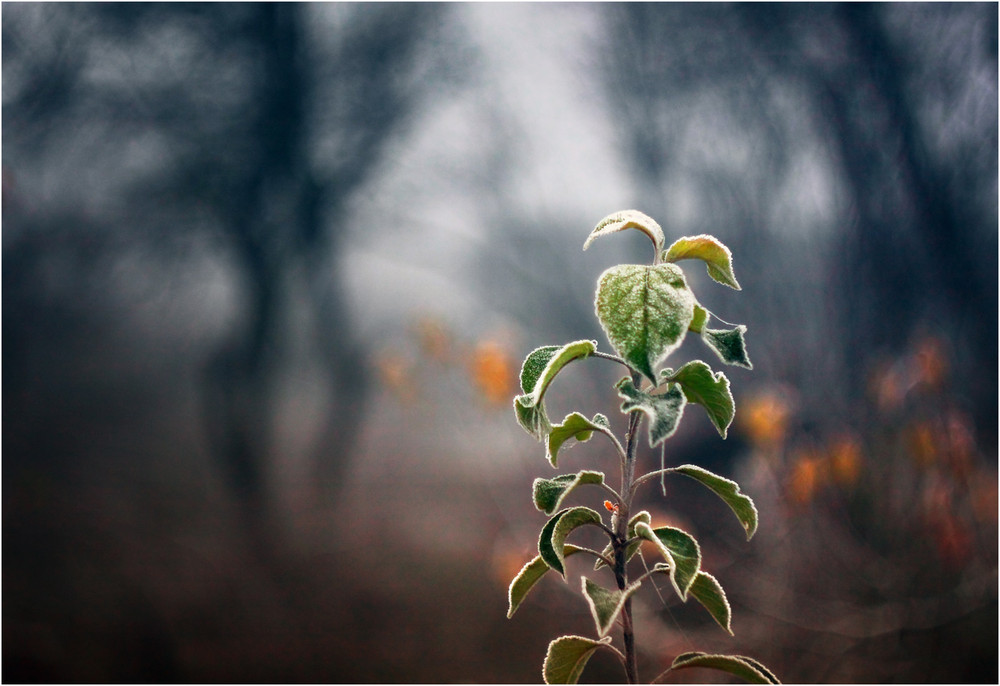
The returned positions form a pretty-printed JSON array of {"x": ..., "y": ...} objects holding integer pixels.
[{"x": 646, "y": 311}]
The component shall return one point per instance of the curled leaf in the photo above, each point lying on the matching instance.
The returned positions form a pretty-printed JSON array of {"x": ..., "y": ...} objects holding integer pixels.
[
  {"x": 679, "y": 549},
  {"x": 605, "y": 605},
  {"x": 741, "y": 505},
  {"x": 529, "y": 575},
  {"x": 663, "y": 410},
  {"x": 552, "y": 540},
  {"x": 539, "y": 369},
  {"x": 549, "y": 493},
  {"x": 745, "y": 668},
  {"x": 711, "y": 251},
  {"x": 575, "y": 425},
  {"x": 567, "y": 656},
  {"x": 628, "y": 219},
  {"x": 710, "y": 390}
]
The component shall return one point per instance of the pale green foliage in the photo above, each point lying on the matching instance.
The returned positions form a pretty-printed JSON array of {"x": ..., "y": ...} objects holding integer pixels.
[
  {"x": 628, "y": 219},
  {"x": 575, "y": 425},
  {"x": 707, "y": 591},
  {"x": 710, "y": 390},
  {"x": 709, "y": 249},
  {"x": 663, "y": 410},
  {"x": 645, "y": 311},
  {"x": 741, "y": 505},
  {"x": 552, "y": 540},
  {"x": 746, "y": 668},
  {"x": 549, "y": 493},
  {"x": 567, "y": 656},
  {"x": 605, "y": 605},
  {"x": 679, "y": 549}
]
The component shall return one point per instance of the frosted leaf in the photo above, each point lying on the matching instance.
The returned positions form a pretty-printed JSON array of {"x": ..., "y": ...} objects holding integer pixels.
[
  {"x": 708, "y": 389},
  {"x": 729, "y": 344},
  {"x": 605, "y": 605},
  {"x": 530, "y": 575},
  {"x": 539, "y": 369},
  {"x": 680, "y": 551},
  {"x": 576, "y": 426},
  {"x": 741, "y": 505},
  {"x": 663, "y": 411},
  {"x": 548, "y": 494},
  {"x": 645, "y": 312},
  {"x": 628, "y": 219},
  {"x": 567, "y": 656},
  {"x": 745, "y": 668},
  {"x": 707, "y": 591},
  {"x": 711, "y": 251},
  {"x": 552, "y": 540},
  {"x": 699, "y": 320}
]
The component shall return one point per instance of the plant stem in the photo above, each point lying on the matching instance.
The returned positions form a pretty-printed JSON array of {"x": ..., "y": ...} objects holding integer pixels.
[{"x": 621, "y": 548}]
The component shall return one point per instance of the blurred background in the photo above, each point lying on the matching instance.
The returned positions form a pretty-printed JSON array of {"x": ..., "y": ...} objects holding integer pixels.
[{"x": 269, "y": 272}]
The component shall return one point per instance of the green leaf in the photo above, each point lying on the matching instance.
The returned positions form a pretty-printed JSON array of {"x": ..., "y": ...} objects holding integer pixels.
[
  {"x": 529, "y": 575},
  {"x": 605, "y": 605},
  {"x": 633, "y": 547},
  {"x": 699, "y": 320},
  {"x": 709, "y": 390},
  {"x": 745, "y": 668},
  {"x": 709, "y": 249},
  {"x": 532, "y": 417},
  {"x": 707, "y": 591},
  {"x": 662, "y": 410},
  {"x": 534, "y": 364},
  {"x": 628, "y": 219},
  {"x": 539, "y": 369},
  {"x": 567, "y": 656},
  {"x": 729, "y": 345},
  {"x": 551, "y": 541},
  {"x": 575, "y": 425},
  {"x": 741, "y": 505},
  {"x": 679, "y": 549},
  {"x": 645, "y": 312},
  {"x": 549, "y": 493}
]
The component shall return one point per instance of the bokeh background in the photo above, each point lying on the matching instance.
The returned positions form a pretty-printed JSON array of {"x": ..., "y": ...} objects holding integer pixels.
[{"x": 269, "y": 272}]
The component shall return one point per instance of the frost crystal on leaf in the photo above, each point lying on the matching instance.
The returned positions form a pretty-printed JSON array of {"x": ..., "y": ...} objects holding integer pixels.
[
  {"x": 628, "y": 219},
  {"x": 645, "y": 312}
]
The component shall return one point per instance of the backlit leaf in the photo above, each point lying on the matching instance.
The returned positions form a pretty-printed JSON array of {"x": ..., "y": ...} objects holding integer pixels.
[
  {"x": 707, "y": 591},
  {"x": 645, "y": 312},
  {"x": 663, "y": 411},
  {"x": 552, "y": 540},
  {"x": 628, "y": 219},
  {"x": 567, "y": 656},
  {"x": 549, "y": 493},
  {"x": 679, "y": 549},
  {"x": 699, "y": 320},
  {"x": 745, "y": 668},
  {"x": 711, "y": 251},
  {"x": 741, "y": 505},
  {"x": 729, "y": 344},
  {"x": 709, "y": 390},
  {"x": 529, "y": 575},
  {"x": 539, "y": 369},
  {"x": 575, "y": 425},
  {"x": 605, "y": 605}
]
